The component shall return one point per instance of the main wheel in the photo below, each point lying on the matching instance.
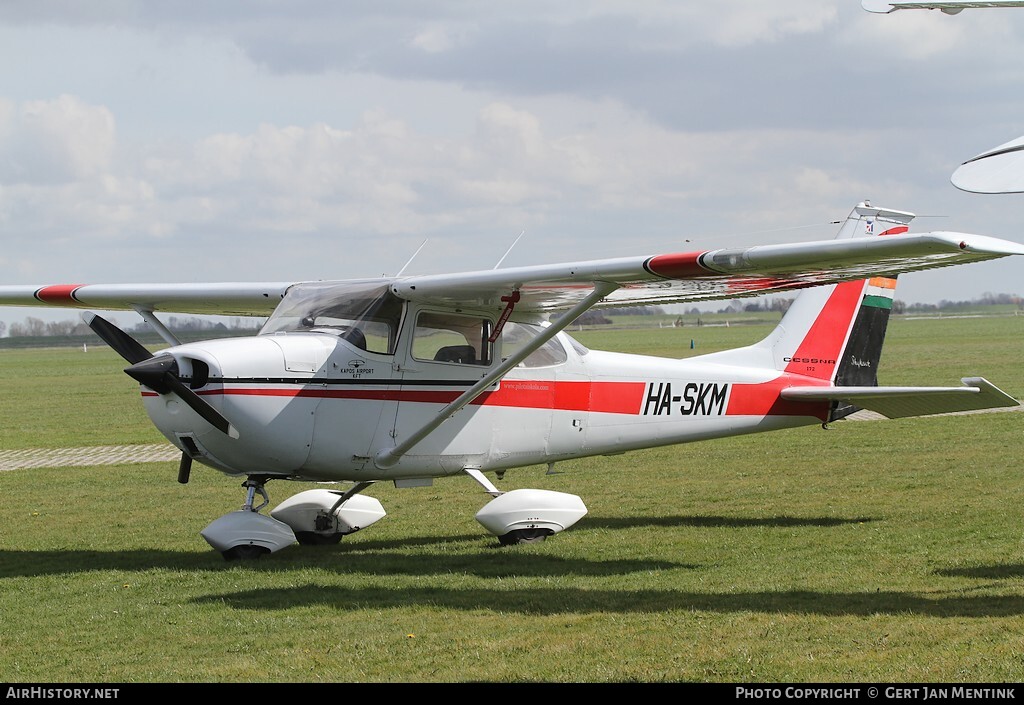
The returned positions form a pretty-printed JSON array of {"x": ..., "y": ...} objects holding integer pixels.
[
  {"x": 245, "y": 552},
  {"x": 524, "y": 536},
  {"x": 313, "y": 538}
]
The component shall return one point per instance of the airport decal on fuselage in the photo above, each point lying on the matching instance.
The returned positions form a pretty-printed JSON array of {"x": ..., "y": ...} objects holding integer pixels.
[{"x": 696, "y": 399}]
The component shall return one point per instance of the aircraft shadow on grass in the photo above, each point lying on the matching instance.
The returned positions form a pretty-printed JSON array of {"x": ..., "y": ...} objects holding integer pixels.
[
  {"x": 330, "y": 559},
  {"x": 719, "y": 522},
  {"x": 992, "y": 572},
  {"x": 363, "y": 556},
  {"x": 551, "y": 601},
  {"x": 543, "y": 601}
]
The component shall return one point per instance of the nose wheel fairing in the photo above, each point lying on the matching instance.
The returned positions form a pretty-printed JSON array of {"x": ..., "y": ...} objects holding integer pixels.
[{"x": 246, "y": 533}]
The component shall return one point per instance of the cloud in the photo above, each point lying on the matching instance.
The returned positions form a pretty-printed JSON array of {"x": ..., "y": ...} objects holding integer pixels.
[
  {"x": 328, "y": 139},
  {"x": 55, "y": 141},
  {"x": 376, "y": 178}
]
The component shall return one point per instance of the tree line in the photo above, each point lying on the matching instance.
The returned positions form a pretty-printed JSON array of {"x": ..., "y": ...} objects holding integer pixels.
[{"x": 33, "y": 327}]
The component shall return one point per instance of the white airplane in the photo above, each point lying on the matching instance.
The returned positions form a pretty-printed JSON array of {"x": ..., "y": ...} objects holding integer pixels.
[{"x": 407, "y": 379}]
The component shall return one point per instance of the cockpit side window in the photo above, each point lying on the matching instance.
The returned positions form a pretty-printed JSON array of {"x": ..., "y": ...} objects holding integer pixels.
[{"x": 453, "y": 338}]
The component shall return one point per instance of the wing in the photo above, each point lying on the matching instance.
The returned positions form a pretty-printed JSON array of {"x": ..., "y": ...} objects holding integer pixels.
[
  {"x": 858, "y": 252},
  {"x": 230, "y": 299},
  {"x": 705, "y": 275},
  {"x": 950, "y": 8},
  {"x": 658, "y": 279}
]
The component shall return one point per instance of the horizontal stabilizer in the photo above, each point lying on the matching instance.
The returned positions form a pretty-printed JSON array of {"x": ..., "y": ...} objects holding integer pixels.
[{"x": 902, "y": 402}]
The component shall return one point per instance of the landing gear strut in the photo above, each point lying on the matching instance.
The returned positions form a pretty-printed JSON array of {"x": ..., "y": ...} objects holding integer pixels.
[{"x": 253, "y": 485}]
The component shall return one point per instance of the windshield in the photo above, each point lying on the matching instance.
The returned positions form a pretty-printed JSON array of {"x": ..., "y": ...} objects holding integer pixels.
[{"x": 365, "y": 313}]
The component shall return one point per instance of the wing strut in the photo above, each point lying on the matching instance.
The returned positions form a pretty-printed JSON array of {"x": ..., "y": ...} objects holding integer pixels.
[
  {"x": 156, "y": 324},
  {"x": 389, "y": 456}
]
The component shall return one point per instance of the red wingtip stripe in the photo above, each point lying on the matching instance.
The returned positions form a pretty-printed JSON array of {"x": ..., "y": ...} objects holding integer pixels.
[
  {"x": 895, "y": 231},
  {"x": 676, "y": 266},
  {"x": 58, "y": 294}
]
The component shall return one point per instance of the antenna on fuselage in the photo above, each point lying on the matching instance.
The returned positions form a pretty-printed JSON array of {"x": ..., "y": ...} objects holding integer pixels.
[
  {"x": 412, "y": 258},
  {"x": 509, "y": 249}
]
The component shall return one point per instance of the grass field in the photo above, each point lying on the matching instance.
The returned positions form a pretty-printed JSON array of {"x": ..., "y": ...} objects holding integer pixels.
[{"x": 875, "y": 551}]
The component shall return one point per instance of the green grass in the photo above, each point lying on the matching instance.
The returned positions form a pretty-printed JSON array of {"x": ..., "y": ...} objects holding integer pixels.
[
  {"x": 60, "y": 397},
  {"x": 872, "y": 551}
]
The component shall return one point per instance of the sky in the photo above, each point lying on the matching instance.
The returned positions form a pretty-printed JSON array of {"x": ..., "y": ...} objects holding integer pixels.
[{"x": 265, "y": 140}]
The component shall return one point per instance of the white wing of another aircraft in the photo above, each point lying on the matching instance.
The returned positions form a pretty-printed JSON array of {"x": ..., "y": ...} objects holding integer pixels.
[
  {"x": 999, "y": 170},
  {"x": 950, "y": 8}
]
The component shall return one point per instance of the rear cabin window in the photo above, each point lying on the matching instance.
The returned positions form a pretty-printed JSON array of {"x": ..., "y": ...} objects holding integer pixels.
[{"x": 515, "y": 335}]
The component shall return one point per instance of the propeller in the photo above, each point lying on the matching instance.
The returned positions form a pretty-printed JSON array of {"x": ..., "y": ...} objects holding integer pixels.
[
  {"x": 159, "y": 373},
  {"x": 122, "y": 343}
]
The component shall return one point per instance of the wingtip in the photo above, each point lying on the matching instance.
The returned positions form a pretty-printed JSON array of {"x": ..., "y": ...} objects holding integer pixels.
[{"x": 875, "y": 6}]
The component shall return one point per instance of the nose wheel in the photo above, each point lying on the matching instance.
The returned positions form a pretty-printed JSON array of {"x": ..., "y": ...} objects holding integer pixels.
[
  {"x": 246, "y": 534},
  {"x": 245, "y": 552}
]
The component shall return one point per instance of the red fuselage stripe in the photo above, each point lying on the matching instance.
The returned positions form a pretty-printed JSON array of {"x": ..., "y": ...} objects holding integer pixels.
[
  {"x": 764, "y": 399},
  {"x": 598, "y": 397}
]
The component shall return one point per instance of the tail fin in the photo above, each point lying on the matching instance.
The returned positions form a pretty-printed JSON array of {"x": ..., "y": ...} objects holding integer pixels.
[
  {"x": 829, "y": 343},
  {"x": 836, "y": 332}
]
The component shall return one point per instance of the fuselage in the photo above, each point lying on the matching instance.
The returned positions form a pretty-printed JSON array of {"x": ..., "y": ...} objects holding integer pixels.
[{"x": 314, "y": 405}]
